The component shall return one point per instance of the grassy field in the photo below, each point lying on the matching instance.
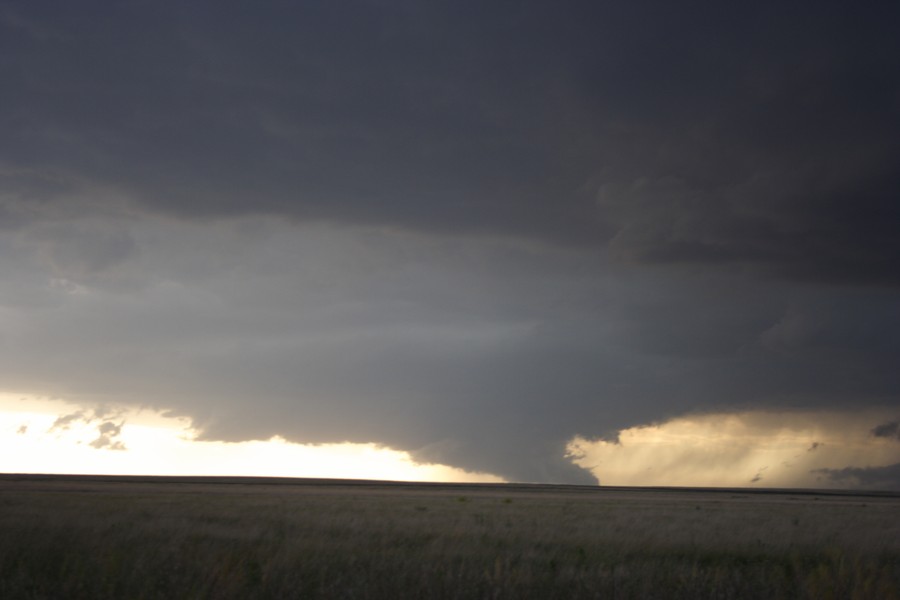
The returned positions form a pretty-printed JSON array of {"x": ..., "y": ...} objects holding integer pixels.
[{"x": 237, "y": 538}]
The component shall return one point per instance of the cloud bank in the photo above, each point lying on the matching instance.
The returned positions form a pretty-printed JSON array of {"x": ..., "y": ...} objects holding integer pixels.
[{"x": 464, "y": 231}]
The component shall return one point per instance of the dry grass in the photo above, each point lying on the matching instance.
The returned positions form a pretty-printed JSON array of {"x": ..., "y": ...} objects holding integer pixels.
[{"x": 70, "y": 538}]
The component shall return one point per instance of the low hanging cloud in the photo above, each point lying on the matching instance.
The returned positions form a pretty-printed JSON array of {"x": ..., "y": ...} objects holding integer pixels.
[
  {"x": 764, "y": 447},
  {"x": 889, "y": 430},
  {"x": 489, "y": 355},
  {"x": 463, "y": 231},
  {"x": 887, "y": 478},
  {"x": 63, "y": 422},
  {"x": 108, "y": 431}
]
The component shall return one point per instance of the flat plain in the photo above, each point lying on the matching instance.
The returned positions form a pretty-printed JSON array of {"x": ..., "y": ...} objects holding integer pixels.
[{"x": 171, "y": 537}]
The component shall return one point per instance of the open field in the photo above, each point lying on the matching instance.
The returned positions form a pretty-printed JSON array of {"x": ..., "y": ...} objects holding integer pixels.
[{"x": 95, "y": 537}]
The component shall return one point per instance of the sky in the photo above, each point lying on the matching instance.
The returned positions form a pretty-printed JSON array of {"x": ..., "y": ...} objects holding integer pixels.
[{"x": 642, "y": 243}]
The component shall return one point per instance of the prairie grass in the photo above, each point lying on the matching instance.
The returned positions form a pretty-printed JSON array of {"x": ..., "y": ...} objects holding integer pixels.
[{"x": 84, "y": 538}]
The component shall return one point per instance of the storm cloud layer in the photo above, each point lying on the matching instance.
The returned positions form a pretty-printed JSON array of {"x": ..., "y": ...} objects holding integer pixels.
[{"x": 467, "y": 230}]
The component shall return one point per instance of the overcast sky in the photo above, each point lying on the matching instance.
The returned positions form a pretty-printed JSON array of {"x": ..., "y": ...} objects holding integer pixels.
[{"x": 471, "y": 231}]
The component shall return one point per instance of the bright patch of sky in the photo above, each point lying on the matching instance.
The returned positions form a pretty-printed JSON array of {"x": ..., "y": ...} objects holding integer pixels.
[
  {"x": 45, "y": 436},
  {"x": 750, "y": 449}
]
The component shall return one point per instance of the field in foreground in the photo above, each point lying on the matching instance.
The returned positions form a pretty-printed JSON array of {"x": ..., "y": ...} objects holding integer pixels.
[{"x": 69, "y": 537}]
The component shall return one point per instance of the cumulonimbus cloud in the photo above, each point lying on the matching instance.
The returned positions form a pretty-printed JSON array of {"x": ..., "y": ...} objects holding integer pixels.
[{"x": 470, "y": 234}]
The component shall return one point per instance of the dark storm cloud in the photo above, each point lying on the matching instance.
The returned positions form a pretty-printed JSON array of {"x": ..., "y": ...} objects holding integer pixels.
[
  {"x": 488, "y": 177},
  {"x": 764, "y": 134},
  {"x": 888, "y": 430},
  {"x": 82, "y": 253},
  {"x": 886, "y": 478},
  {"x": 479, "y": 354}
]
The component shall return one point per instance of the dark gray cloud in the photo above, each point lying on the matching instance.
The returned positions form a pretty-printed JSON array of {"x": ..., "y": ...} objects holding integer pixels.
[
  {"x": 885, "y": 478},
  {"x": 891, "y": 429},
  {"x": 483, "y": 354},
  {"x": 466, "y": 230},
  {"x": 763, "y": 136},
  {"x": 759, "y": 475}
]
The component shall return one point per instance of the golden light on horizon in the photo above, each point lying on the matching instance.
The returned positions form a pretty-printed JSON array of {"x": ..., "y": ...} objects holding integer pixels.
[
  {"x": 752, "y": 448},
  {"x": 48, "y": 436}
]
